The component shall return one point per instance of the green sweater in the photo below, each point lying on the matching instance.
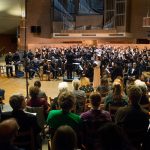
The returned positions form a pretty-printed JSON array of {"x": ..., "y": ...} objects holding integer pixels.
[{"x": 57, "y": 118}]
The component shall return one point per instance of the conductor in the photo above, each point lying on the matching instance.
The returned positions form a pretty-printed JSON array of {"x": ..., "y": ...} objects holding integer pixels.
[{"x": 69, "y": 64}]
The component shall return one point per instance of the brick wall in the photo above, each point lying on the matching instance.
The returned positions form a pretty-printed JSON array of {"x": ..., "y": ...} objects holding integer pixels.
[{"x": 7, "y": 43}]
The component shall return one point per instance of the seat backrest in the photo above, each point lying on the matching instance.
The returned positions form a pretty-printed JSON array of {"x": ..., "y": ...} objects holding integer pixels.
[
  {"x": 25, "y": 139},
  {"x": 39, "y": 113}
]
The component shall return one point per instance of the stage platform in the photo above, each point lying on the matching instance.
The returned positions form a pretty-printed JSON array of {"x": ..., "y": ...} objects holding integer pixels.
[{"x": 65, "y": 79}]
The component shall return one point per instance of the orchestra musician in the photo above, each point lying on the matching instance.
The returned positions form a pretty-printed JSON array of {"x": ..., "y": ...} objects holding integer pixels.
[
  {"x": 9, "y": 67},
  {"x": 16, "y": 60},
  {"x": 69, "y": 64}
]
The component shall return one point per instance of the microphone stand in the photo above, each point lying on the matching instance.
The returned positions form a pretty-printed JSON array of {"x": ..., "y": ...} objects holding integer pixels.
[{"x": 26, "y": 57}]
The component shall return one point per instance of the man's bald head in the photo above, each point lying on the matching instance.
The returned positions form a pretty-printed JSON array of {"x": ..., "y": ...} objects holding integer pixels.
[{"x": 8, "y": 129}]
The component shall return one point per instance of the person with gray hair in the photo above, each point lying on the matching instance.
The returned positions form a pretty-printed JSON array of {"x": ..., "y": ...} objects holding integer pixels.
[
  {"x": 79, "y": 95},
  {"x": 62, "y": 87},
  {"x": 142, "y": 85},
  {"x": 8, "y": 131},
  {"x": 133, "y": 118}
]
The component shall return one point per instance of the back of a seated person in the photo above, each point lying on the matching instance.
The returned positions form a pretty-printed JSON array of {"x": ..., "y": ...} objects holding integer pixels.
[
  {"x": 92, "y": 120},
  {"x": 35, "y": 101},
  {"x": 57, "y": 118},
  {"x": 25, "y": 120},
  {"x": 133, "y": 118},
  {"x": 8, "y": 130},
  {"x": 64, "y": 138},
  {"x": 79, "y": 95},
  {"x": 116, "y": 98}
]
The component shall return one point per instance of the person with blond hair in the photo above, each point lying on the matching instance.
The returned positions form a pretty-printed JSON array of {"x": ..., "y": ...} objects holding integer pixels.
[
  {"x": 85, "y": 85},
  {"x": 117, "y": 97},
  {"x": 79, "y": 95}
]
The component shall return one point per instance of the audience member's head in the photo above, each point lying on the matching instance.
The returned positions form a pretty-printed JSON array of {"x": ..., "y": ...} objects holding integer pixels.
[
  {"x": 62, "y": 87},
  {"x": 34, "y": 91},
  {"x": 8, "y": 130},
  {"x": 112, "y": 137},
  {"x": 84, "y": 81},
  {"x": 134, "y": 94},
  {"x": 95, "y": 99},
  {"x": 117, "y": 91},
  {"x": 66, "y": 101},
  {"x": 104, "y": 82},
  {"x": 76, "y": 84},
  {"x": 17, "y": 102},
  {"x": 64, "y": 139},
  {"x": 142, "y": 85},
  {"x": 37, "y": 84}
]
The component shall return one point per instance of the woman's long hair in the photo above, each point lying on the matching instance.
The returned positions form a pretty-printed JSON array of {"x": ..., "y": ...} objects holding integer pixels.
[{"x": 117, "y": 92}]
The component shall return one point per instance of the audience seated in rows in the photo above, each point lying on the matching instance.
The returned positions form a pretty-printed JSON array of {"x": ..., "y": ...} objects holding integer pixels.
[
  {"x": 133, "y": 119},
  {"x": 8, "y": 130},
  {"x": 79, "y": 95}
]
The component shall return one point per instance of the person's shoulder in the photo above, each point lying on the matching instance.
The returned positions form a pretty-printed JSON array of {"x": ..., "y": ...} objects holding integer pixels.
[
  {"x": 85, "y": 115},
  {"x": 6, "y": 115},
  {"x": 75, "y": 116},
  {"x": 55, "y": 112}
]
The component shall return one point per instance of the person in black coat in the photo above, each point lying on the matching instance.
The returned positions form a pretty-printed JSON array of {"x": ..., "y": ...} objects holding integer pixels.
[
  {"x": 133, "y": 71},
  {"x": 116, "y": 71},
  {"x": 16, "y": 60},
  {"x": 9, "y": 68},
  {"x": 69, "y": 64},
  {"x": 26, "y": 121}
]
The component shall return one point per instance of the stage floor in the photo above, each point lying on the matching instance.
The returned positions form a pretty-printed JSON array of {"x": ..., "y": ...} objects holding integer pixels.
[{"x": 18, "y": 85}]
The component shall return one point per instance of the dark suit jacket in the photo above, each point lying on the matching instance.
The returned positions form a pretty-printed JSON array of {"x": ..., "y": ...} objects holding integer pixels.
[
  {"x": 132, "y": 117},
  {"x": 25, "y": 120},
  {"x": 134, "y": 120},
  {"x": 135, "y": 73}
]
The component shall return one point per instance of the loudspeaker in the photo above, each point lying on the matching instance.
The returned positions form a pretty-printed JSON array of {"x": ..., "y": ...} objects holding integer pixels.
[
  {"x": 38, "y": 29},
  {"x": 35, "y": 29}
]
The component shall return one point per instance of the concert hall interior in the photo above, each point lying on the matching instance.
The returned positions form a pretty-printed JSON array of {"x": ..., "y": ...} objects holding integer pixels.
[{"x": 74, "y": 74}]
